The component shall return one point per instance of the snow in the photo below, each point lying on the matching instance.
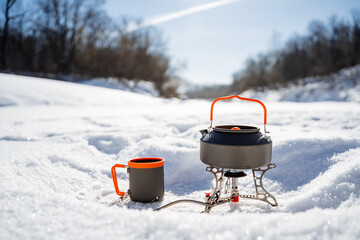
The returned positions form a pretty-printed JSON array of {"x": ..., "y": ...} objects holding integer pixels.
[
  {"x": 341, "y": 86},
  {"x": 143, "y": 87},
  {"x": 59, "y": 140}
]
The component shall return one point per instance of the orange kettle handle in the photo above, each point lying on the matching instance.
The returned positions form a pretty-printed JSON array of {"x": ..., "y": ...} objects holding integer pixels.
[
  {"x": 238, "y": 97},
  {"x": 114, "y": 177}
]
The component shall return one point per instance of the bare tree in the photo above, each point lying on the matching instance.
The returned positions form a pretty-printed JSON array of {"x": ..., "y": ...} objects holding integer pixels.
[
  {"x": 355, "y": 13},
  {"x": 61, "y": 24},
  {"x": 9, "y": 4}
]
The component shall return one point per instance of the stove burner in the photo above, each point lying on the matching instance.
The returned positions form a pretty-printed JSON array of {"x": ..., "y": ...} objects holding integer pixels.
[
  {"x": 234, "y": 174},
  {"x": 231, "y": 186}
]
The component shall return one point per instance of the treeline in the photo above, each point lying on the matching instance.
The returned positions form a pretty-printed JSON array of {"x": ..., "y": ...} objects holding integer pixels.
[
  {"x": 208, "y": 91},
  {"x": 324, "y": 49},
  {"x": 77, "y": 38}
]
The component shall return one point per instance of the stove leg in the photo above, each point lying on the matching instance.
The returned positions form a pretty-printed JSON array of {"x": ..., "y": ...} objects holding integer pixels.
[
  {"x": 214, "y": 199},
  {"x": 261, "y": 193}
]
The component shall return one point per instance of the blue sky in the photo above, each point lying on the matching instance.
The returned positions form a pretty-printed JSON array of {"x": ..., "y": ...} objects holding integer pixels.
[{"x": 215, "y": 42}]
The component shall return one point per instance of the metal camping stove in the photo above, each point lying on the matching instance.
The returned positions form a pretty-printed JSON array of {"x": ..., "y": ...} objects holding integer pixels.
[
  {"x": 231, "y": 190},
  {"x": 231, "y": 186}
]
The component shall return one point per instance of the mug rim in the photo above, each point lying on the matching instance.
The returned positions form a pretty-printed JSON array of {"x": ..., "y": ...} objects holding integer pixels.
[{"x": 159, "y": 162}]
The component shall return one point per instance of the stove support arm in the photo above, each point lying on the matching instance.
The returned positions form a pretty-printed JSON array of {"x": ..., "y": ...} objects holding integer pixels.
[{"x": 261, "y": 193}]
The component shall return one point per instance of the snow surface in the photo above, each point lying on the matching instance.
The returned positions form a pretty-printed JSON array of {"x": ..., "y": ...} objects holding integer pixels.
[
  {"x": 59, "y": 140},
  {"x": 341, "y": 86},
  {"x": 143, "y": 87}
]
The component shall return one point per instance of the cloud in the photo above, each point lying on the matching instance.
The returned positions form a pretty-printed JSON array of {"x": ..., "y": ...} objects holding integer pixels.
[{"x": 189, "y": 11}]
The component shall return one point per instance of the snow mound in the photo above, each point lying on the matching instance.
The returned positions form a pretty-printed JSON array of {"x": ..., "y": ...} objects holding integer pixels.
[
  {"x": 341, "y": 86},
  {"x": 338, "y": 185},
  {"x": 143, "y": 87}
]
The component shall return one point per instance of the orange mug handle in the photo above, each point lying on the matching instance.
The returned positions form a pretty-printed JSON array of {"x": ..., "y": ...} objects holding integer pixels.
[{"x": 114, "y": 177}]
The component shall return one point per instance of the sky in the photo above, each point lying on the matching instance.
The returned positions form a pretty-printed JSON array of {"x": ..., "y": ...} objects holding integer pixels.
[{"x": 214, "y": 38}]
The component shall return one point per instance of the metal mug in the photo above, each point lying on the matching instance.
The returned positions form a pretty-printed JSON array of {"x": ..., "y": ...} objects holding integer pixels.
[{"x": 146, "y": 179}]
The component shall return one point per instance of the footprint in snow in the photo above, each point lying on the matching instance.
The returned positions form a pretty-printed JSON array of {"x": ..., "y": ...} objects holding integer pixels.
[{"x": 107, "y": 143}]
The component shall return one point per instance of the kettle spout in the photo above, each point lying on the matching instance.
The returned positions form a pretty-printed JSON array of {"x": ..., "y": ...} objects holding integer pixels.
[{"x": 203, "y": 131}]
